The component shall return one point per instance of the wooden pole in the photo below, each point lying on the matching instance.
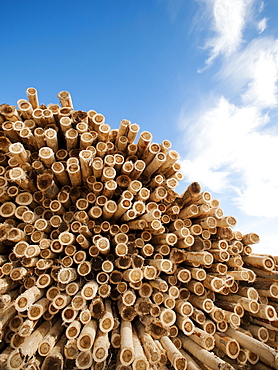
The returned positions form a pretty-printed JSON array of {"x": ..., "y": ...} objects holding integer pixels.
[
  {"x": 127, "y": 346},
  {"x": 176, "y": 358},
  {"x": 266, "y": 353}
]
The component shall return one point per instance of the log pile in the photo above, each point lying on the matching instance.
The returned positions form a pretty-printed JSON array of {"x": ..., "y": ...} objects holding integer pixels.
[{"x": 104, "y": 265}]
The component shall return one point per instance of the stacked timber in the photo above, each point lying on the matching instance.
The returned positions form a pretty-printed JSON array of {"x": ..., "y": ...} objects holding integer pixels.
[{"x": 103, "y": 265}]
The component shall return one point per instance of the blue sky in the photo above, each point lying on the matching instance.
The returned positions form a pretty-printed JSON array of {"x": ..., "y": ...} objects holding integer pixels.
[{"x": 201, "y": 73}]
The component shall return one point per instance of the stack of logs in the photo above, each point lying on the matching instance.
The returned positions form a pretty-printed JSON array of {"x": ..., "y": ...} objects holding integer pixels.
[{"x": 104, "y": 266}]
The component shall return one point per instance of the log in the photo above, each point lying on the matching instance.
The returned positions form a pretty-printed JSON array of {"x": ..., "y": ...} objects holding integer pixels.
[
  {"x": 87, "y": 336},
  {"x": 49, "y": 341},
  {"x": 176, "y": 358},
  {"x": 202, "y": 338},
  {"x": 55, "y": 359},
  {"x": 29, "y": 347},
  {"x": 204, "y": 356},
  {"x": 127, "y": 346},
  {"x": 266, "y": 353},
  {"x": 26, "y": 299},
  {"x": 228, "y": 345},
  {"x": 151, "y": 351},
  {"x": 140, "y": 359}
]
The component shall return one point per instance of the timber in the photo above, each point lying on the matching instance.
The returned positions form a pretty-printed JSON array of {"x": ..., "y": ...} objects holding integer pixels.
[{"x": 104, "y": 265}]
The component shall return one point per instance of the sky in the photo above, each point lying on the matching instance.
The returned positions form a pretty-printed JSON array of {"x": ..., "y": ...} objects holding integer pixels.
[{"x": 201, "y": 73}]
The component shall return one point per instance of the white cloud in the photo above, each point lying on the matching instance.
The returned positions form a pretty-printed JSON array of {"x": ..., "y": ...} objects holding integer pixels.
[
  {"x": 252, "y": 73},
  {"x": 229, "y": 20},
  {"x": 261, "y": 188},
  {"x": 261, "y": 8},
  {"x": 262, "y": 25},
  {"x": 201, "y": 170},
  {"x": 262, "y": 89},
  {"x": 227, "y": 152},
  {"x": 268, "y": 243}
]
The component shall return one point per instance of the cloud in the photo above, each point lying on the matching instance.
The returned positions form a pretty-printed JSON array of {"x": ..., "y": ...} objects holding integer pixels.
[
  {"x": 262, "y": 25},
  {"x": 252, "y": 73},
  {"x": 268, "y": 242},
  {"x": 229, "y": 20},
  {"x": 201, "y": 170},
  {"x": 228, "y": 152},
  {"x": 263, "y": 72},
  {"x": 262, "y": 5}
]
